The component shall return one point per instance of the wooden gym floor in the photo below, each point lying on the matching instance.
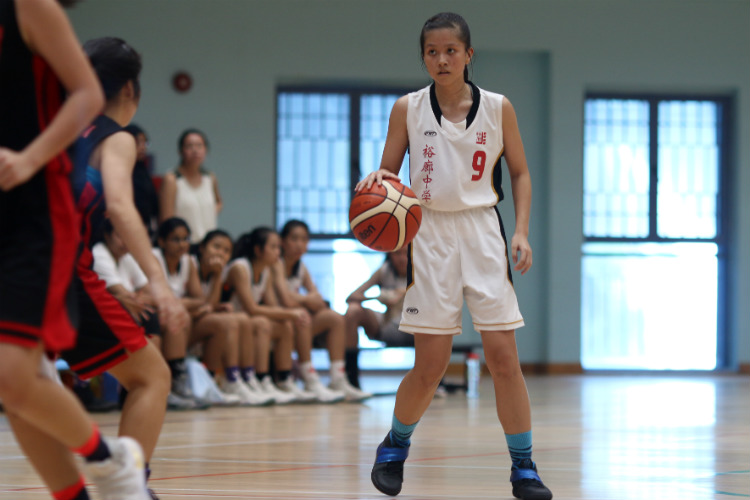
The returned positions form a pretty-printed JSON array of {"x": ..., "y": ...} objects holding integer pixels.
[{"x": 597, "y": 437}]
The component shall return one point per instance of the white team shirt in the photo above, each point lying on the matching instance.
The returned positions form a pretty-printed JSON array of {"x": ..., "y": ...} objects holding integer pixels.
[
  {"x": 294, "y": 282},
  {"x": 256, "y": 288},
  {"x": 125, "y": 272},
  {"x": 197, "y": 205},
  {"x": 451, "y": 166},
  {"x": 178, "y": 281},
  {"x": 206, "y": 286}
]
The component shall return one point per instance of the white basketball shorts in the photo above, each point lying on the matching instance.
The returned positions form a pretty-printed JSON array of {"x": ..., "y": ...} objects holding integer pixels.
[{"x": 459, "y": 256}]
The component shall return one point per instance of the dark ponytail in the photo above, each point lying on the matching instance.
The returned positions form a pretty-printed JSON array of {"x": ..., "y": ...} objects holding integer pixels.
[
  {"x": 246, "y": 245},
  {"x": 115, "y": 63}
]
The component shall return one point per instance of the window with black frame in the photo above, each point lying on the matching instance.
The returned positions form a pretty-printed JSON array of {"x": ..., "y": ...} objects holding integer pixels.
[
  {"x": 654, "y": 174},
  {"x": 327, "y": 140}
]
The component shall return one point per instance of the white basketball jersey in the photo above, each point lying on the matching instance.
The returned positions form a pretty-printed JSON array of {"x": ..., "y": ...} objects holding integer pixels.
[
  {"x": 454, "y": 167},
  {"x": 207, "y": 285},
  {"x": 256, "y": 288},
  {"x": 178, "y": 281},
  {"x": 294, "y": 282}
]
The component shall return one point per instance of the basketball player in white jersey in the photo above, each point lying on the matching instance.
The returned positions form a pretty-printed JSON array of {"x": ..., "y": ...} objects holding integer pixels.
[{"x": 456, "y": 134}]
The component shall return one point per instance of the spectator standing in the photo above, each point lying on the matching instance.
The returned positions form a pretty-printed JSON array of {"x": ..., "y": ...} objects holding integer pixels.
[{"x": 191, "y": 192}]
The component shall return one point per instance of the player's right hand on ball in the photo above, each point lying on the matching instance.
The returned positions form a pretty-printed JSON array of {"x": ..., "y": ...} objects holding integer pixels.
[{"x": 375, "y": 177}]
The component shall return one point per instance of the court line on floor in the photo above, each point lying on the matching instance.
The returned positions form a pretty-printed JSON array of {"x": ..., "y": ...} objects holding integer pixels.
[{"x": 324, "y": 466}]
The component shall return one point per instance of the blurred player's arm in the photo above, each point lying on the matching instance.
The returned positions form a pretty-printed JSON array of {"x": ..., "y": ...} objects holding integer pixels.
[
  {"x": 217, "y": 195},
  {"x": 167, "y": 196},
  {"x": 194, "y": 301},
  {"x": 117, "y": 160},
  {"x": 286, "y": 297},
  {"x": 358, "y": 295},
  {"x": 312, "y": 300}
]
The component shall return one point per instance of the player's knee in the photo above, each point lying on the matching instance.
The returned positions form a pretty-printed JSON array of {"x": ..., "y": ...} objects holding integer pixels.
[
  {"x": 13, "y": 389},
  {"x": 229, "y": 324},
  {"x": 263, "y": 326},
  {"x": 244, "y": 321},
  {"x": 354, "y": 311},
  {"x": 337, "y": 319},
  {"x": 152, "y": 374},
  {"x": 428, "y": 375},
  {"x": 503, "y": 366},
  {"x": 161, "y": 376}
]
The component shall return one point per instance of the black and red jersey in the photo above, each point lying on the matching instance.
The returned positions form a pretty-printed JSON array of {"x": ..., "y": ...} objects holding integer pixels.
[
  {"x": 38, "y": 221},
  {"x": 30, "y": 93},
  {"x": 87, "y": 180}
]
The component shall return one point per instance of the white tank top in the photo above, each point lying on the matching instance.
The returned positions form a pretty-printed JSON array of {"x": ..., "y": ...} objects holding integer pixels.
[
  {"x": 197, "y": 205},
  {"x": 207, "y": 285},
  {"x": 294, "y": 282},
  {"x": 178, "y": 281},
  {"x": 256, "y": 288},
  {"x": 455, "y": 166}
]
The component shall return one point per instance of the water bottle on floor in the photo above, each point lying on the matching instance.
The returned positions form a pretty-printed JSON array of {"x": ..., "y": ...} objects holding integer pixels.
[{"x": 472, "y": 375}]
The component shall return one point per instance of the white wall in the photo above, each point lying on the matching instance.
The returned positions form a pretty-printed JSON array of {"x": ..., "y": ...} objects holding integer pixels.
[{"x": 238, "y": 51}]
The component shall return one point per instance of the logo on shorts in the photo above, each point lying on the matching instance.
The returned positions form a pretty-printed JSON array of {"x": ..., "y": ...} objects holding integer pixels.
[
  {"x": 412, "y": 310},
  {"x": 430, "y": 133}
]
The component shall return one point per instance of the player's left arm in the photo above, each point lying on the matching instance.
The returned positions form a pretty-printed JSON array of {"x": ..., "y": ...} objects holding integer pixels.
[
  {"x": 217, "y": 195},
  {"x": 194, "y": 300},
  {"x": 520, "y": 181},
  {"x": 278, "y": 284},
  {"x": 117, "y": 161},
  {"x": 313, "y": 300}
]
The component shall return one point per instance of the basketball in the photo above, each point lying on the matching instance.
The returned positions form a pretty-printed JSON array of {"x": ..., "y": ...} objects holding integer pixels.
[{"x": 385, "y": 217}]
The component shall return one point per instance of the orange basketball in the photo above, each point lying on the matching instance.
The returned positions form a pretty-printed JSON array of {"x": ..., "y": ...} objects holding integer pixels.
[{"x": 385, "y": 217}]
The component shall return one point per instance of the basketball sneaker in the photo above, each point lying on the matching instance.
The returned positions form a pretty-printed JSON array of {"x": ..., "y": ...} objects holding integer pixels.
[
  {"x": 290, "y": 385},
  {"x": 322, "y": 393},
  {"x": 178, "y": 403},
  {"x": 388, "y": 472},
  {"x": 351, "y": 394},
  {"x": 121, "y": 476},
  {"x": 267, "y": 387},
  {"x": 243, "y": 393},
  {"x": 219, "y": 397},
  {"x": 526, "y": 482},
  {"x": 181, "y": 388}
]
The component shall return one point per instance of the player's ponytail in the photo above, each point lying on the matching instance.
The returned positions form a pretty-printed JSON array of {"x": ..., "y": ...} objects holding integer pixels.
[
  {"x": 115, "y": 63},
  {"x": 247, "y": 244}
]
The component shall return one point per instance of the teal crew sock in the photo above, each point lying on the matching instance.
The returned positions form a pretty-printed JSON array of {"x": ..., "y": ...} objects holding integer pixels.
[
  {"x": 401, "y": 433},
  {"x": 519, "y": 446}
]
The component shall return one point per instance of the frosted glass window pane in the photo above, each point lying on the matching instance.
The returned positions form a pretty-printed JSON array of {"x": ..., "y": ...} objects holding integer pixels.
[
  {"x": 688, "y": 187},
  {"x": 311, "y": 127},
  {"x": 635, "y": 304},
  {"x": 616, "y": 175},
  {"x": 376, "y": 110}
]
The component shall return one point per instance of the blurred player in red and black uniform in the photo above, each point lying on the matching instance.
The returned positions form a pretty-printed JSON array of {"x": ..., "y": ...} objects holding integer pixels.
[{"x": 39, "y": 57}]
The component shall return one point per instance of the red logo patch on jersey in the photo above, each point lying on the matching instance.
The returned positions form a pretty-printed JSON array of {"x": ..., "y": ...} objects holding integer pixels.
[
  {"x": 88, "y": 131},
  {"x": 481, "y": 137}
]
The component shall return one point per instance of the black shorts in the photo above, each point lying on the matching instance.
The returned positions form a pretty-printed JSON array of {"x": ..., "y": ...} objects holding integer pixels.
[
  {"x": 107, "y": 331},
  {"x": 151, "y": 325},
  {"x": 39, "y": 239}
]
